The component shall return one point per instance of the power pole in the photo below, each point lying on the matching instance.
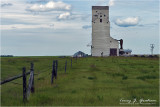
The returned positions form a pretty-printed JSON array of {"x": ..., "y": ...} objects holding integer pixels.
[{"x": 152, "y": 47}]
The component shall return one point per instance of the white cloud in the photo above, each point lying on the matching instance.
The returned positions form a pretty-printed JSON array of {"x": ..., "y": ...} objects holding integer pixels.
[
  {"x": 130, "y": 21},
  {"x": 111, "y": 3},
  {"x": 69, "y": 16},
  {"x": 50, "y": 6},
  {"x": 64, "y": 16}
]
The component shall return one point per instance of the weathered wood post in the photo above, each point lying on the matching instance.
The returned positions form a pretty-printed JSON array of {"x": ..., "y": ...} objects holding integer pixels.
[
  {"x": 30, "y": 83},
  {"x": 53, "y": 70},
  {"x": 32, "y": 70},
  {"x": 24, "y": 85},
  {"x": 65, "y": 65},
  {"x": 56, "y": 65},
  {"x": 71, "y": 62}
]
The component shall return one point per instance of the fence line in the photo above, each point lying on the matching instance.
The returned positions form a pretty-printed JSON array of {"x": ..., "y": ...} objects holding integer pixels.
[
  {"x": 27, "y": 73},
  {"x": 26, "y": 91}
]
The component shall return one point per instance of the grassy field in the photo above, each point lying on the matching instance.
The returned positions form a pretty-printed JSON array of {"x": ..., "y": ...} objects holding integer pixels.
[{"x": 90, "y": 82}]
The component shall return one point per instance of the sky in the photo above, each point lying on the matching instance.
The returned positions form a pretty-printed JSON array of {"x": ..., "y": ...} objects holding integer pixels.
[{"x": 63, "y": 27}]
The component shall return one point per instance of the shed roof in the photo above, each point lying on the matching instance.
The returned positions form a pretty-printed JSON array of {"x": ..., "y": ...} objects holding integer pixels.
[
  {"x": 79, "y": 53},
  {"x": 128, "y": 50}
]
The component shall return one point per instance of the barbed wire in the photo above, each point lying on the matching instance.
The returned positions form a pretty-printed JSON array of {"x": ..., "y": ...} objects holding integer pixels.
[
  {"x": 15, "y": 83},
  {"x": 39, "y": 72}
]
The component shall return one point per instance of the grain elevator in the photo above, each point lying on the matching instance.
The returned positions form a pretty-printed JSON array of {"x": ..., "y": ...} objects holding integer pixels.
[{"x": 102, "y": 43}]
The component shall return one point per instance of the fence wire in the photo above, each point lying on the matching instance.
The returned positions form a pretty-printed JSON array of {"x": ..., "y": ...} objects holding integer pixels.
[
  {"x": 39, "y": 72},
  {"x": 15, "y": 83}
]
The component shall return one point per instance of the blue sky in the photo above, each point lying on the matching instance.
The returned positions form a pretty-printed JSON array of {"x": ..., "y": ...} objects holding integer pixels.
[{"x": 63, "y": 27}]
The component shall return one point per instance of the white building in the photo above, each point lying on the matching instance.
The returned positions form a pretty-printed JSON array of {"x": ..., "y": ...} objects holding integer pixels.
[{"x": 102, "y": 43}]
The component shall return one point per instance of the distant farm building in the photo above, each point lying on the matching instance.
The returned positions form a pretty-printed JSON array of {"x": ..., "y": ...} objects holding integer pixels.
[
  {"x": 80, "y": 54},
  {"x": 127, "y": 52}
]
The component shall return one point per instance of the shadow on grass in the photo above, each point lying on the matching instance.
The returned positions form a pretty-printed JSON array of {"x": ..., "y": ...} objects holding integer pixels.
[
  {"x": 92, "y": 78},
  {"x": 147, "y": 77}
]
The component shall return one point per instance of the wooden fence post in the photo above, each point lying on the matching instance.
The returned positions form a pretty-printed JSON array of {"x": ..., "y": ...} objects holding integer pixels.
[
  {"x": 30, "y": 83},
  {"x": 32, "y": 70},
  {"x": 71, "y": 62},
  {"x": 56, "y": 65},
  {"x": 53, "y": 70},
  {"x": 24, "y": 84},
  {"x": 66, "y": 66}
]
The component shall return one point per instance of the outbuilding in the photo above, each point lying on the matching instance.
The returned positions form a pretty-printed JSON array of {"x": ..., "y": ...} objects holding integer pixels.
[{"x": 80, "y": 54}]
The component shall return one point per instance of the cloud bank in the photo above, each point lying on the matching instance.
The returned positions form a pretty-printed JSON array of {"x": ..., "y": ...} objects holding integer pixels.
[
  {"x": 130, "y": 21},
  {"x": 86, "y": 26},
  {"x": 6, "y": 4},
  {"x": 49, "y": 6}
]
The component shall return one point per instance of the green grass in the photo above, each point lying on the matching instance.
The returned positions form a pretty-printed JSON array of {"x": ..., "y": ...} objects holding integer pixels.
[{"x": 91, "y": 81}]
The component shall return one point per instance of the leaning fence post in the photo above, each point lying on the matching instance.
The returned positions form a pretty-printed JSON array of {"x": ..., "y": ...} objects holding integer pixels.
[
  {"x": 65, "y": 65},
  {"x": 24, "y": 85},
  {"x": 32, "y": 70},
  {"x": 71, "y": 62},
  {"x": 53, "y": 70}
]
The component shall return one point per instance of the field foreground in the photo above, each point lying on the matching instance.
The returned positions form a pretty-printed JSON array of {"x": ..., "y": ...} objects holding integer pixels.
[{"x": 91, "y": 81}]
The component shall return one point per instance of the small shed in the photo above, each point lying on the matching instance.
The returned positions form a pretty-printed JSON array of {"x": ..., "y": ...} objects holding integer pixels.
[
  {"x": 80, "y": 54},
  {"x": 127, "y": 52}
]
